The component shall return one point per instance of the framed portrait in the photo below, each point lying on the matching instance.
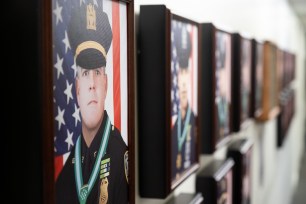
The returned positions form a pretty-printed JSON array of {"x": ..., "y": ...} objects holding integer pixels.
[
  {"x": 286, "y": 94},
  {"x": 242, "y": 68},
  {"x": 289, "y": 68},
  {"x": 89, "y": 100},
  {"x": 215, "y": 182},
  {"x": 257, "y": 78},
  {"x": 215, "y": 92},
  {"x": 241, "y": 152},
  {"x": 281, "y": 122},
  {"x": 270, "y": 101},
  {"x": 167, "y": 100},
  {"x": 287, "y": 109}
]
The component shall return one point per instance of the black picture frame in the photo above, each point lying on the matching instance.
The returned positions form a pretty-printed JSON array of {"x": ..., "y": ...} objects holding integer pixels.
[
  {"x": 286, "y": 69},
  {"x": 289, "y": 59},
  {"x": 241, "y": 152},
  {"x": 214, "y": 181},
  {"x": 257, "y": 78},
  {"x": 242, "y": 89},
  {"x": 49, "y": 40},
  {"x": 287, "y": 111},
  {"x": 159, "y": 62},
  {"x": 215, "y": 124}
]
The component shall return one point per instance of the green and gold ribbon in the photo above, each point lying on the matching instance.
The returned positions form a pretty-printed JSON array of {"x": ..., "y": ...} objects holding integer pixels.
[{"x": 83, "y": 190}]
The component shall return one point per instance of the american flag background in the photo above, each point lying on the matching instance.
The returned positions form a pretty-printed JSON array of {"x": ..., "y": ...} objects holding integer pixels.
[
  {"x": 67, "y": 118},
  {"x": 218, "y": 54},
  {"x": 193, "y": 64},
  {"x": 223, "y": 50}
]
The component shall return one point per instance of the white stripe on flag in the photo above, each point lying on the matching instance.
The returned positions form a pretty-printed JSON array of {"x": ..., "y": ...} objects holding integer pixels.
[
  {"x": 109, "y": 102},
  {"x": 123, "y": 71},
  {"x": 107, "y": 8},
  {"x": 195, "y": 70},
  {"x": 65, "y": 157}
]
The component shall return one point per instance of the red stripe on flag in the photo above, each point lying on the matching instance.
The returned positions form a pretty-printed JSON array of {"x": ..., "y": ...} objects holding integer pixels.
[
  {"x": 116, "y": 64},
  {"x": 58, "y": 164}
]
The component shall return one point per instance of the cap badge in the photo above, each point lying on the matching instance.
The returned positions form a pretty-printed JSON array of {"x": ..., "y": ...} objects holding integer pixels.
[{"x": 91, "y": 17}]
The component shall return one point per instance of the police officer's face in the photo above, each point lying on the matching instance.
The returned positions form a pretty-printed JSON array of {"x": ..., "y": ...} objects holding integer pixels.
[
  {"x": 246, "y": 74},
  {"x": 91, "y": 89},
  {"x": 183, "y": 81}
]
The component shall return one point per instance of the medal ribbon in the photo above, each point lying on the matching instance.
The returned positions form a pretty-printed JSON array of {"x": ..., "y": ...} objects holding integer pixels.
[
  {"x": 182, "y": 136},
  {"x": 83, "y": 190},
  {"x": 222, "y": 108},
  {"x": 222, "y": 111}
]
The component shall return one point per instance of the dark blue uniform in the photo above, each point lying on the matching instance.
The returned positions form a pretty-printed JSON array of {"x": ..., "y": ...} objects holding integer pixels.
[
  {"x": 188, "y": 149},
  {"x": 117, "y": 187}
]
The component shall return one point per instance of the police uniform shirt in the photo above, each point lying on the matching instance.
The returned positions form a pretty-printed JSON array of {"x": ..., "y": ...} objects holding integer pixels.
[
  {"x": 188, "y": 155},
  {"x": 117, "y": 186}
]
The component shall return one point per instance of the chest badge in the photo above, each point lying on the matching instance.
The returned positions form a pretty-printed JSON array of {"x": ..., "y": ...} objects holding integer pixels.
[{"x": 103, "y": 191}]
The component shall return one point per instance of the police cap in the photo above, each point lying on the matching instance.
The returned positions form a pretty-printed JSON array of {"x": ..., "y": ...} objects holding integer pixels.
[
  {"x": 90, "y": 35},
  {"x": 183, "y": 45}
]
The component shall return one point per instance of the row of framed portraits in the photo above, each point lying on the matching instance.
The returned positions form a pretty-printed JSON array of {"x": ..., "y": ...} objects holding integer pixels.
[
  {"x": 189, "y": 88},
  {"x": 197, "y": 84}
]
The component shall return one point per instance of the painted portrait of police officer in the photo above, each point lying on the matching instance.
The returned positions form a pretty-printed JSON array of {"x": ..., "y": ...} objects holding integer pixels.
[
  {"x": 223, "y": 84},
  {"x": 90, "y": 63},
  {"x": 183, "y": 98}
]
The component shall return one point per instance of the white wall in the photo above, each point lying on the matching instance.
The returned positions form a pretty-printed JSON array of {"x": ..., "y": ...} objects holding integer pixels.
[{"x": 272, "y": 20}]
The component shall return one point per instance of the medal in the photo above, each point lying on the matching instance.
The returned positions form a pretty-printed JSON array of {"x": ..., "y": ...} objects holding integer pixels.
[
  {"x": 178, "y": 160},
  {"x": 83, "y": 190},
  {"x": 103, "y": 191},
  {"x": 181, "y": 136}
]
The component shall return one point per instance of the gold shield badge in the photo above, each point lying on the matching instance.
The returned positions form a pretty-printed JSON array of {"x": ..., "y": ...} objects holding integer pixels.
[
  {"x": 103, "y": 191},
  {"x": 178, "y": 160}
]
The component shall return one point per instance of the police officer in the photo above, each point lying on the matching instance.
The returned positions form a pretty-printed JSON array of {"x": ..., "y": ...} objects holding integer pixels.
[
  {"x": 96, "y": 170},
  {"x": 221, "y": 100},
  {"x": 183, "y": 132}
]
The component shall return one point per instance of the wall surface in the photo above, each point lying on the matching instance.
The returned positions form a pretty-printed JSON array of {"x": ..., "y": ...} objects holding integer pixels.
[{"x": 274, "y": 170}]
